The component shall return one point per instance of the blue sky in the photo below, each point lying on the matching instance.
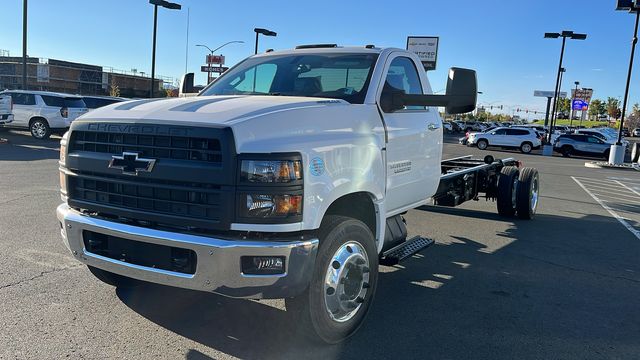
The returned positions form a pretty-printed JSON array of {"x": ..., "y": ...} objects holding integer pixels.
[{"x": 501, "y": 39}]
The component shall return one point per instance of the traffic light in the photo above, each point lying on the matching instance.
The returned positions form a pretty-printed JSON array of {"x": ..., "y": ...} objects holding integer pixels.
[{"x": 500, "y": 107}]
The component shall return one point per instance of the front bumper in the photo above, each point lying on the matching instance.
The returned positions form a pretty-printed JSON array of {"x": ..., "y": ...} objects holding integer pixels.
[{"x": 218, "y": 260}]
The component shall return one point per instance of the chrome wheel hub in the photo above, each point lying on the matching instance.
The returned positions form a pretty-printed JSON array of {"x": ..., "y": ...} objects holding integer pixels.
[
  {"x": 38, "y": 129},
  {"x": 534, "y": 194},
  {"x": 346, "y": 281}
]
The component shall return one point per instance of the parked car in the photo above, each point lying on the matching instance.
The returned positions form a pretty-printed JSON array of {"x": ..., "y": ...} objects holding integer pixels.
[
  {"x": 606, "y": 134},
  {"x": 94, "y": 102},
  {"x": 515, "y": 138},
  {"x": 625, "y": 132},
  {"x": 581, "y": 144},
  {"x": 636, "y": 132},
  {"x": 447, "y": 126},
  {"x": 44, "y": 113},
  {"x": 6, "y": 110},
  {"x": 469, "y": 126}
]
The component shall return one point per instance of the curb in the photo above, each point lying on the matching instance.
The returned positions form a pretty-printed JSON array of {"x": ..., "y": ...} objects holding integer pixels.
[{"x": 606, "y": 165}]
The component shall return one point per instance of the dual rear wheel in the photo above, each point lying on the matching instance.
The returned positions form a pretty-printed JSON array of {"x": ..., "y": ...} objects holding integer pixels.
[{"x": 518, "y": 192}]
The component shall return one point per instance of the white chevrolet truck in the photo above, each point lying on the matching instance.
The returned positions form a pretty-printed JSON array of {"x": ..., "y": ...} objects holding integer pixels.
[{"x": 287, "y": 177}]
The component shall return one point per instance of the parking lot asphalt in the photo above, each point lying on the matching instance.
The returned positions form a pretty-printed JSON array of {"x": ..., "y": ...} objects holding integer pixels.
[{"x": 562, "y": 286}]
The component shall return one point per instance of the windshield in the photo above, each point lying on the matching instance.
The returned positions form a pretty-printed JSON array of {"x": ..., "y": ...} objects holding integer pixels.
[{"x": 335, "y": 76}]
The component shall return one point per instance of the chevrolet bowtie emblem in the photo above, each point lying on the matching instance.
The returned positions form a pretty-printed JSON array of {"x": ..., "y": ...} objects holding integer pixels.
[{"x": 131, "y": 164}]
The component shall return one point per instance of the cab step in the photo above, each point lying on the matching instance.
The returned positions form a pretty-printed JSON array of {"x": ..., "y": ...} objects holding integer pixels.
[{"x": 405, "y": 250}]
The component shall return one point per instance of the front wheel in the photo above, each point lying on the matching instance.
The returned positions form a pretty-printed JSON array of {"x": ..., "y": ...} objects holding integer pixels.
[
  {"x": 482, "y": 144},
  {"x": 40, "y": 129},
  {"x": 343, "y": 282}
]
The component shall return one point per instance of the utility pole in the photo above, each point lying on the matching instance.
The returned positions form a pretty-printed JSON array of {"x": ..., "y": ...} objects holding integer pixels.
[{"x": 24, "y": 45}]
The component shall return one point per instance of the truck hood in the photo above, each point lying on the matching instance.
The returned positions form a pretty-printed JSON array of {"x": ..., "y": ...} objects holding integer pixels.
[{"x": 205, "y": 110}]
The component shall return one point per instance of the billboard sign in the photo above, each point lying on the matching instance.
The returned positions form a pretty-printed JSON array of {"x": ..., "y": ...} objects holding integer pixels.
[
  {"x": 579, "y": 104},
  {"x": 215, "y": 59},
  {"x": 549, "y": 94},
  {"x": 215, "y": 69},
  {"x": 583, "y": 94},
  {"x": 426, "y": 47}
]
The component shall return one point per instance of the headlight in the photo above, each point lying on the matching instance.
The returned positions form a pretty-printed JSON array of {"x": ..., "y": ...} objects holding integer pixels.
[
  {"x": 63, "y": 148},
  {"x": 270, "y": 171},
  {"x": 270, "y": 206}
]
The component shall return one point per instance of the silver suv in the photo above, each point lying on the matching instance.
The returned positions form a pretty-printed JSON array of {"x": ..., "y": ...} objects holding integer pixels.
[
  {"x": 44, "y": 113},
  {"x": 581, "y": 144}
]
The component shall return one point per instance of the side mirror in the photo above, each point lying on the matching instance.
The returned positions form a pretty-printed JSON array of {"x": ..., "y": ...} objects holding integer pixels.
[
  {"x": 462, "y": 91},
  {"x": 186, "y": 85},
  {"x": 461, "y": 96}
]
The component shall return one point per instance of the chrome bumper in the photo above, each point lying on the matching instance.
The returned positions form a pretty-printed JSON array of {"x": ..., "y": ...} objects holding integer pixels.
[{"x": 218, "y": 261}]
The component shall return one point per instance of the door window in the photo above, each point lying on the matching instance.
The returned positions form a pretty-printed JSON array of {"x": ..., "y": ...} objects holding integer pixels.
[
  {"x": 23, "y": 99},
  {"x": 500, "y": 132},
  {"x": 401, "y": 77}
]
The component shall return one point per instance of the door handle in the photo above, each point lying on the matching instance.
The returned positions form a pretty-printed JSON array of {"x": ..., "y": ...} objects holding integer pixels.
[{"x": 432, "y": 127}]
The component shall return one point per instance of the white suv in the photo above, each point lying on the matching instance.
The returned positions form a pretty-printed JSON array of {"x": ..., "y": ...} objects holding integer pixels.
[
  {"x": 518, "y": 138},
  {"x": 44, "y": 112}
]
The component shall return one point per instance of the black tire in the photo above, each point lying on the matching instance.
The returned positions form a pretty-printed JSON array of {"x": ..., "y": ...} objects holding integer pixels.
[
  {"x": 482, "y": 144},
  {"x": 507, "y": 186},
  {"x": 526, "y": 147},
  {"x": 635, "y": 152},
  {"x": 527, "y": 193},
  {"x": 566, "y": 151},
  {"x": 310, "y": 310},
  {"x": 39, "y": 129},
  {"x": 606, "y": 154},
  {"x": 110, "y": 278}
]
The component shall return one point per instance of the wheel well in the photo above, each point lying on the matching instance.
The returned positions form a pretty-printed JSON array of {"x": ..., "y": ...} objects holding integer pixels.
[
  {"x": 358, "y": 206},
  {"x": 37, "y": 118},
  {"x": 527, "y": 142}
]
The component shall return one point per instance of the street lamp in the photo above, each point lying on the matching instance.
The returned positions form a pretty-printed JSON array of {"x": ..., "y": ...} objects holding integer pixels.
[
  {"x": 264, "y": 32},
  {"x": 616, "y": 155},
  {"x": 564, "y": 35},
  {"x": 216, "y": 49},
  {"x": 167, "y": 5}
]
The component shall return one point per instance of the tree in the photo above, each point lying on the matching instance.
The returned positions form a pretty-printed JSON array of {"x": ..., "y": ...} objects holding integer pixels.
[
  {"x": 563, "y": 107},
  {"x": 596, "y": 108},
  {"x": 114, "y": 89},
  {"x": 636, "y": 109},
  {"x": 613, "y": 107}
]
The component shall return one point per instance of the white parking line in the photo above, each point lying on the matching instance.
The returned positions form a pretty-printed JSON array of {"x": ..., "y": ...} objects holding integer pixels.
[
  {"x": 620, "y": 219},
  {"x": 630, "y": 189}
]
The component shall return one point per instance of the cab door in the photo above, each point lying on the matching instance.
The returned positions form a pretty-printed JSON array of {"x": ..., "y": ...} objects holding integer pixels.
[{"x": 414, "y": 134}]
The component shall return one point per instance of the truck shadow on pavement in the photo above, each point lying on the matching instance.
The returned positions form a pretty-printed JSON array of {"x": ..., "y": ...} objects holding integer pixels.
[
  {"x": 539, "y": 295},
  {"x": 22, "y": 147}
]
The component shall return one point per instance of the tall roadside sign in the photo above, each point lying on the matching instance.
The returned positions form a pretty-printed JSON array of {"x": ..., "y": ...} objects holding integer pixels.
[
  {"x": 580, "y": 102},
  {"x": 549, "y": 95},
  {"x": 426, "y": 47}
]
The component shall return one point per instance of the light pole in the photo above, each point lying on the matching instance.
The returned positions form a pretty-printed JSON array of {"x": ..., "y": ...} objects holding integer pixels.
[
  {"x": 264, "y": 32},
  {"x": 167, "y": 5},
  {"x": 573, "y": 111},
  {"x": 617, "y": 154},
  {"x": 24, "y": 45},
  {"x": 216, "y": 49},
  {"x": 565, "y": 34}
]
